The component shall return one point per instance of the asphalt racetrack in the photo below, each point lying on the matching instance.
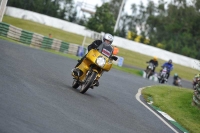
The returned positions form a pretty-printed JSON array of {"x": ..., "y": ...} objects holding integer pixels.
[{"x": 36, "y": 97}]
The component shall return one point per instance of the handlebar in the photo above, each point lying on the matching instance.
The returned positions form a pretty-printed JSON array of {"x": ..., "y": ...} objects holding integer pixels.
[{"x": 151, "y": 63}]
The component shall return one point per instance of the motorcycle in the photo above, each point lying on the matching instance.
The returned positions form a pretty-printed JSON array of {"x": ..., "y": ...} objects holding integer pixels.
[
  {"x": 96, "y": 62},
  {"x": 162, "y": 78},
  {"x": 194, "y": 86},
  {"x": 149, "y": 70},
  {"x": 195, "y": 83},
  {"x": 177, "y": 82}
]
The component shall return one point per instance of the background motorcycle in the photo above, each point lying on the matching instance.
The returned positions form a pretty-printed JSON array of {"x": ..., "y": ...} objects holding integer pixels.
[
  {"x": 92, "y": 67},
  {"x": 162, "y": 77},
  {"x": 149, "y": 70},
  {"x": 177, "y": 82}
]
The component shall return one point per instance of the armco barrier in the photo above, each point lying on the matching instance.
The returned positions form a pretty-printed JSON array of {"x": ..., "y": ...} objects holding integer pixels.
[{"x": 41, "y": 41}]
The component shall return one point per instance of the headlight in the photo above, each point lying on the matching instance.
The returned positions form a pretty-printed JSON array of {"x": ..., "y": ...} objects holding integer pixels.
[
  {"x": 100, "y": 61},
  {"x": 151, "y": 67}
]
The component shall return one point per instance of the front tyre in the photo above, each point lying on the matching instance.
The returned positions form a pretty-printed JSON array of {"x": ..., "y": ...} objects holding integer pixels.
[
  {"x": 148, "y": 73},
  {"x": 161, "y": 80},
  {"x": 89, "y": 80}
]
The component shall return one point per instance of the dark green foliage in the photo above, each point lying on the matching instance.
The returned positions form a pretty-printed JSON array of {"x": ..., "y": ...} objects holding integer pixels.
[
  {"x": 174, "y": 25},
  {"x": 103, "y": 20},
  {"x": 179, "y": 28},
  {"x": 52, "y": 8}
]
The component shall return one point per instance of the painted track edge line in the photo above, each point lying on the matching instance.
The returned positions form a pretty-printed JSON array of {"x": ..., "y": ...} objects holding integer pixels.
[{"x": 138, "y": 98}]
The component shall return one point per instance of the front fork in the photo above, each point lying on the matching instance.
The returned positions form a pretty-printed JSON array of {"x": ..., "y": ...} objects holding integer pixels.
[{"x": 99, "y": 73}]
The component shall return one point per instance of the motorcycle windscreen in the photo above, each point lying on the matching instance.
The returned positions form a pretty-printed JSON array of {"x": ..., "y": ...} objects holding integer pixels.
[{"x": 105, "y": 49}]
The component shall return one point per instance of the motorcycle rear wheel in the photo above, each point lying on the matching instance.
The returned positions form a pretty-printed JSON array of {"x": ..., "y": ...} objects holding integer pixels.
[{"x": 89, "y": 80}]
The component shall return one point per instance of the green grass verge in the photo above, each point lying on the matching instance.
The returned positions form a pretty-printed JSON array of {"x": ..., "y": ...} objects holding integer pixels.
[
  {"x": 177, "y": 102},
  {"x": 130, "y": 58}
]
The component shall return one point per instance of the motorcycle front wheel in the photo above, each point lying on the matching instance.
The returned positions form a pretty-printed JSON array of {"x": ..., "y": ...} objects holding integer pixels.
[
  {"x": 161, "y": 80},
  {"x": 148, "y": 73},
  {"x": 89, "y": 80}
]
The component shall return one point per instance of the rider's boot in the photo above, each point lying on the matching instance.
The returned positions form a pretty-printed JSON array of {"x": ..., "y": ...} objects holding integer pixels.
[
  {"x": 96, "y": 83},
  {"x": 75, "y": 71}
]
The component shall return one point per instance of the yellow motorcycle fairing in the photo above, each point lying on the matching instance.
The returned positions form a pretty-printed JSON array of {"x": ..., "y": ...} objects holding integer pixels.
[
  {"x": 94, "y": 54},
  {"x": 89, "y": 61}
]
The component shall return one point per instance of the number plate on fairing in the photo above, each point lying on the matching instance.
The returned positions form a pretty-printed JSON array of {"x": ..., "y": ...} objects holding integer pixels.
[{"x": 106, "y": 52}]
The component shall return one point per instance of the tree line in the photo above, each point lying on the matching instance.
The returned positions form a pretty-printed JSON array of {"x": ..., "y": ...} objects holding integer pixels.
[
  {"x": 173, "y": 26},
  {"x": 62, "y": 9}
]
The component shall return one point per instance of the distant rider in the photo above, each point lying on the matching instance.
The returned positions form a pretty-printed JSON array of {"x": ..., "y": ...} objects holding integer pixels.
[
  {"x": 169, "y": 67},
  {"x": 154, "y": 62},
  {"x": 176, "y": 77}
]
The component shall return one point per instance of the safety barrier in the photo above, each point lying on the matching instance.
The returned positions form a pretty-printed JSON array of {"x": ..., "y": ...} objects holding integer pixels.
[
  {"x": 36, "y": 40},
  {"x": 40, "y": 41}
]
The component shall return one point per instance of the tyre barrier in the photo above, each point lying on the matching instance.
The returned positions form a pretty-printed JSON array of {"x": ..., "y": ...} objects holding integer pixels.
[{"x": 32, "y": 39}]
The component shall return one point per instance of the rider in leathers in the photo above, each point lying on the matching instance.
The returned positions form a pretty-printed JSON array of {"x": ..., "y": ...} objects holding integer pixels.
[
  {"x": 154, "y": 62},
  {"x": 169, "y": 67},
  {"x": 175, "y": 78},
  {"x": 107, "y": 38}
]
